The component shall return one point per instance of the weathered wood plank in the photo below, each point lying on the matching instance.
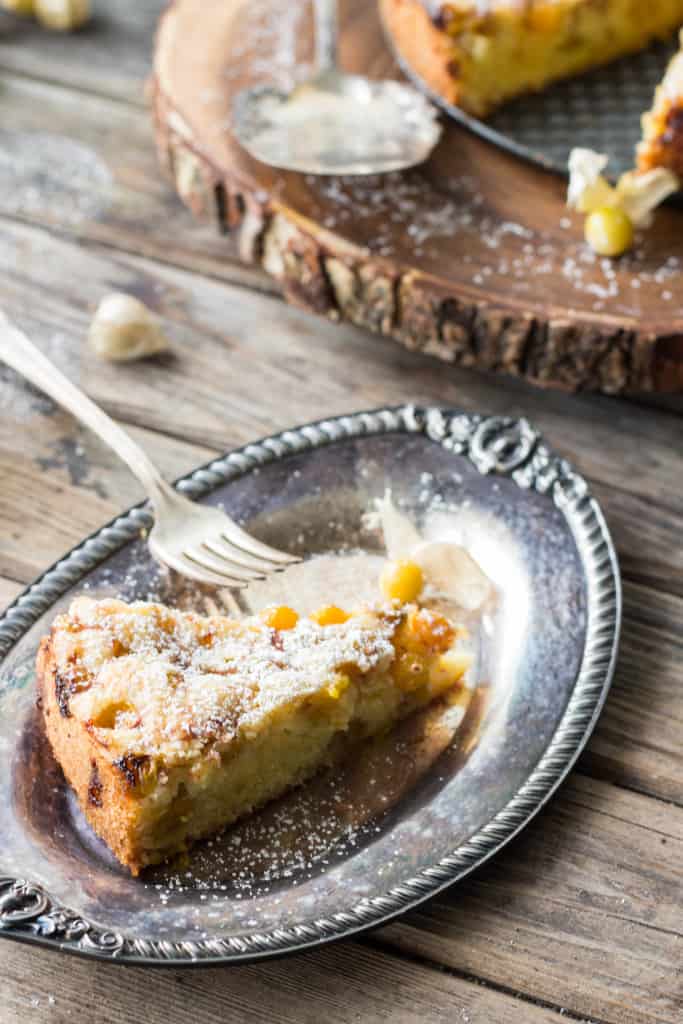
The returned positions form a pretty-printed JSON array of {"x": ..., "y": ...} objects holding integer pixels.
[
  {"x": 86, "y": 166},
  {"x": 8, "y": 591},
  {"x": 637, "y": 742},
  {"x": 583, "y": 909},
  {"x": 110, "y": 56},
  {"x": 75, "y": 484},
  {"x": 224, "y": 334},
  {"x": 291, "y": 366},
  {"x": 342, "y": 984}
]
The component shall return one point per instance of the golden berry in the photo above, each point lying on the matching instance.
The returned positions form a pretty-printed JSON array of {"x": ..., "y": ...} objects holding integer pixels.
[
  {"x": 18, "y": 6},
  {"x": 426, "y": 630},
  {"x": 609, "y": 231},
  {"x": 330, "y": 615},
  {"x": 447, "y": 670},
  {"x": 401, "y": 581},
  {"x": 280, "y": 617},
  {"x": 62, "y": 15}
]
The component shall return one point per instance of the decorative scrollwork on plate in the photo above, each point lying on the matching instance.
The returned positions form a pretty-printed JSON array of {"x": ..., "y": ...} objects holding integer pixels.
[
  {"x": 502, "y": 445},
  {"x": 25, "y": 907},
  {"x": 547, "y": 473},
  {"x": 20, "y": 902},
  {"x": 61, "y": 923},
  {"x": 109, "y": 943},
  {"x": 494, "y": 444},
  {"x": 461, "y": 429}
]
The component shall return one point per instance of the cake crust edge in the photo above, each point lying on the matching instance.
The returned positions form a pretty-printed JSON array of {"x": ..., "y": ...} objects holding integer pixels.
[
  {"x": 662, "y": 139},
  {"x": 426, "y": 49},
  {"x": 103, "y": 790}
]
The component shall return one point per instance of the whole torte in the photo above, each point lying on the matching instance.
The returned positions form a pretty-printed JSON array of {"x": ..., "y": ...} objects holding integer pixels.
[{"x": 476, "y": 54}]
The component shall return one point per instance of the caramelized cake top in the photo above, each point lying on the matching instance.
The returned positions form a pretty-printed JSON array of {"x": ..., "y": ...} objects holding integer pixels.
[{"x": 163, "y": 683}]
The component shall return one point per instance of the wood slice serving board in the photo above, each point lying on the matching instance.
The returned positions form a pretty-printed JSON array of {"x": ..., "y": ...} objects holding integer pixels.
[{"x": 472, "y": 257}]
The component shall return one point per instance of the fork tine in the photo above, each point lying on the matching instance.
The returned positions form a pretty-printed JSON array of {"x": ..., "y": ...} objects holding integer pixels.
[
  {"x": 251, "y": 546},
  {"x": 194, "y": 572},
  {"x": 203, "y": 560},
  {"x": 215, "y": 562},
  {"x": 188, "y": 568},
  {"x": 246, "y": 564}
]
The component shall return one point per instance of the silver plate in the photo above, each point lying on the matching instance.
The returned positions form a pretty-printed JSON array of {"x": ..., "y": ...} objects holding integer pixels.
[
  {"x": 544, "y": 670},
  {"x": 599, "y": 110}
]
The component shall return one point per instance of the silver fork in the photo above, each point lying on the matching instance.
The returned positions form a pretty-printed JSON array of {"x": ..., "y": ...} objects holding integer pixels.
[{"x": 199, "y": 542}]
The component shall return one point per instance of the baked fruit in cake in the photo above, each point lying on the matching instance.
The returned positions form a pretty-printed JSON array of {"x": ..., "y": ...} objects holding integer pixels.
[
  {"x": 662, "y": 142},
  {"x": 476, "y": 54},
  {"x": 170, "y": 726}
]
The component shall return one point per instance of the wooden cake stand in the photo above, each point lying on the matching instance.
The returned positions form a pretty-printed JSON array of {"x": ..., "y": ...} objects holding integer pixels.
[{"x": 473, "y": 257}]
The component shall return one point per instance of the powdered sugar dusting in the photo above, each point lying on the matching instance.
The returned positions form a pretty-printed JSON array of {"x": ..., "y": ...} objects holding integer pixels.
[
  {"x": 183, "y": 680},
  {"x": 495, "y": 252},
  {"x": 273, "y": 48}
]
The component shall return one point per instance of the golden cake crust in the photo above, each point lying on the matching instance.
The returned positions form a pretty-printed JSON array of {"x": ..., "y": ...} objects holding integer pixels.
[
  {"x": 424, "y": 46},
  {"x": 104, "y": 791}
]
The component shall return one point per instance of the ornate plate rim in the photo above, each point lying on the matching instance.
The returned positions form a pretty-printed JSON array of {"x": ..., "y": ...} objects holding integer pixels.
[{"x": 493, "y": 444}]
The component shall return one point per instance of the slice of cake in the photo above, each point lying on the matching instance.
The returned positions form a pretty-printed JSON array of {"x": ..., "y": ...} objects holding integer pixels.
[
  {"x": 662, "y": 142},
  {"x": 478, "y": 53},
  {"x": 169, "y": 725}
]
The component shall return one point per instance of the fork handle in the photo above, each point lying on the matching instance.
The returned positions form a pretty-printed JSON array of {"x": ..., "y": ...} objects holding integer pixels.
[{"x": 22, "y": 355}]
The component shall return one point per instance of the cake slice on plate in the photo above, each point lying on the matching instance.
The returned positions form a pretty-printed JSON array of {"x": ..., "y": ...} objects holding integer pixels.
[
  {"x": 170, "y": 726},
  {"x": 478, "y": 53},
  {"x": 662, "y": 142}
]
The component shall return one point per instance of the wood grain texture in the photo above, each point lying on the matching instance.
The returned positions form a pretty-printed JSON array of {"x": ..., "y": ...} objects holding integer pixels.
[
  {"x": 223, "y": 334},
  {"x": 584, "y": 909},
  {"x": 471, "y": 257},
  {"x": 110, "y": 56},
  {"x": 344, "y": 984},
  {"x": 8, "y": 591},
  {"x": 637, "y": 742},
  {"x": 64, "y": 166},
  {"x": 75, "y": 484},
  {"x": 282, "y": 356}
]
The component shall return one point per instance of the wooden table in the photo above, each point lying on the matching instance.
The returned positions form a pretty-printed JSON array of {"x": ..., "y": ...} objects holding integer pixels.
[{"x": 581, "y": 918}]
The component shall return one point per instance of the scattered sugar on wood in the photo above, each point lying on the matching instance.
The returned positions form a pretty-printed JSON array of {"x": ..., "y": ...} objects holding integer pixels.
[
  {"x": 272, "y": 50},
  {"x": 384, "y": 211},
  {"x": 50, "y": 177}
]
